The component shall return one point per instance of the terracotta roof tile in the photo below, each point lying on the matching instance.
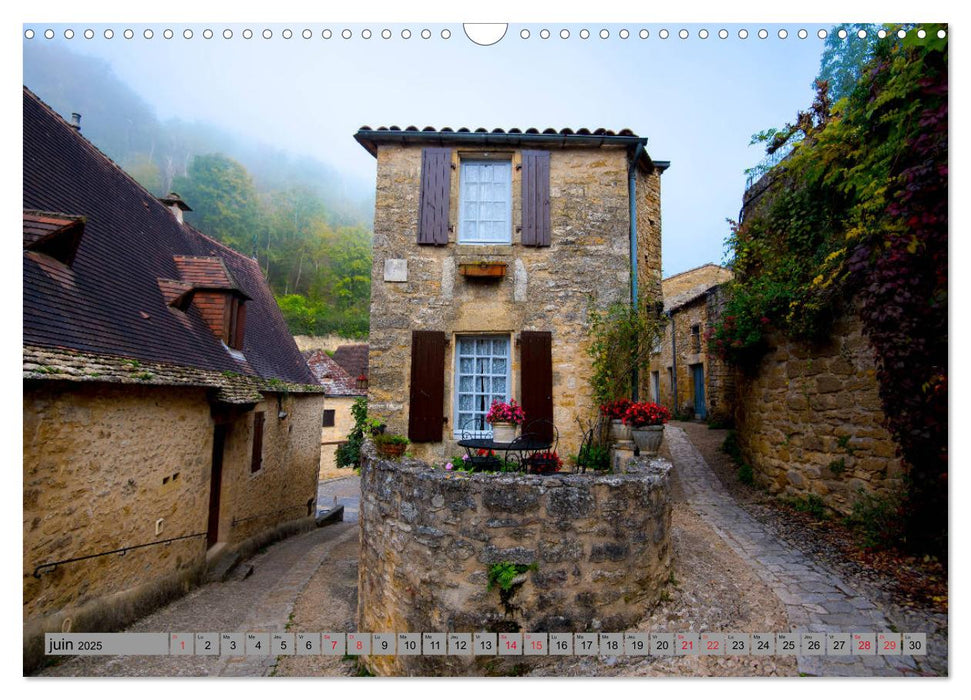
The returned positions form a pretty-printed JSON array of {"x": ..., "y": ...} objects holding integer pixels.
[
  {"x": 335, "y": 380},
  {"x": 99, "y": 305}
]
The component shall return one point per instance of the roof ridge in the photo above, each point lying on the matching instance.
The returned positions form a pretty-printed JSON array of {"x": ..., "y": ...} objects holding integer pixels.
[
  {"x": 90, "y": 145},
  {"x": 693, "y": 269}
]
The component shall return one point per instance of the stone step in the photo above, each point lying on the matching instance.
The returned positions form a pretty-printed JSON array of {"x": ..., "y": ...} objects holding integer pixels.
[
  {"x": 330, "y": 516},
  {"x": 221, "y": 567}
]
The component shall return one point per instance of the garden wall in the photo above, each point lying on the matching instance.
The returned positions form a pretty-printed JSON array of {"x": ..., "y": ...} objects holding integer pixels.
[
  {"x": 810, "y": 421},
  {"x": 599, "y": 544}
]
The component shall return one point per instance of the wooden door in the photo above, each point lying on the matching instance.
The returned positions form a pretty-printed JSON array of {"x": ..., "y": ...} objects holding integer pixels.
[
  {"x": 215, "y": 482},
  {"x": 699, "y": 379}
]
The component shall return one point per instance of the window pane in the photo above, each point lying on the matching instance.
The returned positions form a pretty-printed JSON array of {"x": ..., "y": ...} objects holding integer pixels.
[
  {"x": 499, "y": 346},
  {"x": 466, "y": 346},
  {"x": 466, "y": 365},
  {"x": 465, "y": 384},
  {"x": 499, "y": 385},
  {"x": 465, "y": 402},
  {"x": 499, "y": 366},
  {"x": 483, "y": 347}
]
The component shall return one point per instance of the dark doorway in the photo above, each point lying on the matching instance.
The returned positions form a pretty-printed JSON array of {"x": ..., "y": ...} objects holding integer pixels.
[{"x": 215, "y": 483}]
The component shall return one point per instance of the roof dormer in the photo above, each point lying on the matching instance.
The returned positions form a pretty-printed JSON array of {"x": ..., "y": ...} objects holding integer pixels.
[{"x": 53, "y": 234}]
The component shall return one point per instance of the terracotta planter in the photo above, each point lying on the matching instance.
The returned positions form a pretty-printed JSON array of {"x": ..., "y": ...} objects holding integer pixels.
[
  {"x": 391, "y": 451},
  {"x": 483, "y": 269},
  {"x": 504, "y": 432},
  {"x": 648, "y": 439},
  {"x": 618, "y": 431}
]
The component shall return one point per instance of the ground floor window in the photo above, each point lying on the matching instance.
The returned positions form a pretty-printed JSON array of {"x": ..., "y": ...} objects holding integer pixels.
[{"x": 481, "y": 376}]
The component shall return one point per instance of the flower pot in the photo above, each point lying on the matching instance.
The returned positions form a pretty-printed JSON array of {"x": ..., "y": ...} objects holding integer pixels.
[
  {"x": 618, "y": 431},
  {"x": 504, "y": 432},
  {"x": 648, "y": 439},
  {"x": 390, "y": 450}
]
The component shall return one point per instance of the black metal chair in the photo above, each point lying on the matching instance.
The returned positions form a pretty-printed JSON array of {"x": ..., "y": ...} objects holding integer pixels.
[
  {"x": 542, "y": 461},
  {"x": 480, "y": 463}
]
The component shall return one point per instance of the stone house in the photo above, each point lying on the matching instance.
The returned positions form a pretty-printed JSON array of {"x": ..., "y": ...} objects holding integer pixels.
[
  {"x": 683, "y": 375},
  {"x": 169, "y": 421},
  {"x": 490, "y": 249},
  {"x": 340, "y": 392}
]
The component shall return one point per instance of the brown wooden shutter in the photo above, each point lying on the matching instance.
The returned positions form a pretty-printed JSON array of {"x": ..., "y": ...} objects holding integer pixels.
[
  {"x": 427, "y": 396},
  {"x": 258, "y": 419},
  {"x": 536, "y": 198},
  {"x": 436, "y": 180},
  {"x": 536, "y": 370}
]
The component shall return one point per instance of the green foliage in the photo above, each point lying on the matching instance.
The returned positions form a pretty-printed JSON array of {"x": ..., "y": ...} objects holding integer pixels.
[
  {"x": 811, "y": 504},
  {"x": 731, "y": 447},
  {"x": 622, "y": 339},
  {"x": 390, "y": 439},
  {"x": 501, "y": 575},
  {"x": 878, "y": 519},
  {"x": 349, "y": 454},
  {"x": 596, "y": 457},
  {"x": 859, "y": 211},
  {"x": 745, "y": 474},
  {"x": 837, "y": 466}
]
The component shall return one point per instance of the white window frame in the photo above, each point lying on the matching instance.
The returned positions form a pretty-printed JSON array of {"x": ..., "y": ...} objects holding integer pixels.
[
  {"x": 457, "y": 374},
  {"x": 465, "y": 166}
]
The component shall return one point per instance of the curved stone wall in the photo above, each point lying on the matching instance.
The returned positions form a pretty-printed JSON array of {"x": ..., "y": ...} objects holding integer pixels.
[{"x": 598, "y": 547}]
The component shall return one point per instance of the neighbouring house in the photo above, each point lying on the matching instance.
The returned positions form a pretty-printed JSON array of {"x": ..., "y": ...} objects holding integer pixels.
[
  {"x": 684, "y": 376},
  {"x": 354, "y": 359},
  {"x": 340, "y": 392},
  {"x": 490, "y": 250},
  {"x": 169, "y": 421}
]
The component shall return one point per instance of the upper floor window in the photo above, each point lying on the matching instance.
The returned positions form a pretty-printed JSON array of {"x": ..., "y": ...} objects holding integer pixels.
[
  {"x": 485, "y": 202},
  {"x": 696, "y": 338}
]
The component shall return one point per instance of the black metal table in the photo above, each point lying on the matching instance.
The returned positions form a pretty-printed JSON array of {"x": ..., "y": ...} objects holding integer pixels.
[{"x": 523, "y": 447}]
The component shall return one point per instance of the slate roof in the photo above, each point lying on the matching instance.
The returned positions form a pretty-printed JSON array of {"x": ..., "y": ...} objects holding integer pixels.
[
  {"x": 334, "y": 378},
  {"x": 353, "y": 358},
  {"x": 549, "y": 137},
  {"x": 110, "y": 300}
]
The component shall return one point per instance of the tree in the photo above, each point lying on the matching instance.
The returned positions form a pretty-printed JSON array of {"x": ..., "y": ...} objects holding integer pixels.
[
  {"x": 843, "y": 60},
  {"x": 223, "y": 200}
]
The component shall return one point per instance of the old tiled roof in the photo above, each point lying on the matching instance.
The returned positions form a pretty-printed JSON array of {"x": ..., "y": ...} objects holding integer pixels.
[
  {"x": 40, "y": 225},
  {"x": 549, "y": 137},
  {"x": 71, "y": 365},
  {"x": 675, "y": 302},
  {"x": 109, "y": 301},
  {"x": 335, "y": 380},
  {"x": 353, "y": 358}
]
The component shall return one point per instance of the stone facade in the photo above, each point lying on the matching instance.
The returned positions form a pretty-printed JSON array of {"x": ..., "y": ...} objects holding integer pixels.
[
  {"x": 334, "y": 436},
  {"x": 598, "y": 547},
  {"x": 810, "y": 421},
  {"x": 548, "y": 289},
  {"x": 692, "y": 301},
  {"x": 108, "y": 466}
]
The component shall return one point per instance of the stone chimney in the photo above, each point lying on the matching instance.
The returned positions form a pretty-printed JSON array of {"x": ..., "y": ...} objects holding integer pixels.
[{"x": 175, "y": 204}]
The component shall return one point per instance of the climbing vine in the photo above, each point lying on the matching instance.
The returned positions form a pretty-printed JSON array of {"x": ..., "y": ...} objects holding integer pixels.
[{"x": 858, "y": 211}]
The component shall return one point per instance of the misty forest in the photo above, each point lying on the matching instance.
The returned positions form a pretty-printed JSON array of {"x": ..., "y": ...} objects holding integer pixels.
[{"x": 307, "y": 224}]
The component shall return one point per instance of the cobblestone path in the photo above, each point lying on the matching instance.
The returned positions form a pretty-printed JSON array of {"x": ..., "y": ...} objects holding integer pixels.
[{"x": 815, "y": 599}]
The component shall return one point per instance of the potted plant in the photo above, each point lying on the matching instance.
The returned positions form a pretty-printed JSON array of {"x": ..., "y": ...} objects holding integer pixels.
[
  {"x": 615, "y": 411},
  {"x": 646, "y": 421},
  {"x": 390, "y": 445},
  {"x": 544, "y": 463},
  {"x": 505, "y": 419}
]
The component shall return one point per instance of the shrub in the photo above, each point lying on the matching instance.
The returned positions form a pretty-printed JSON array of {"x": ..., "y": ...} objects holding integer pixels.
[
  {"x": 745, "y": 474},
  {"x": 502, "y": 575},
  {"x": 639, "y": 415},
  {"x": 596, "y": 457},
  {"x": 731, "y": 447},
  {"x": 878, "y": 519}
]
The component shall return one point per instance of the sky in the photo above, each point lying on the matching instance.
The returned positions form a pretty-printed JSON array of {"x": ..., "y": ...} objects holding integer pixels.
[{"x": 698, "y": 101}]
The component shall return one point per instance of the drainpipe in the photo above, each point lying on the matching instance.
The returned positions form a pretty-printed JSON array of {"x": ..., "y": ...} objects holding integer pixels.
[
  {"x": 674, "y": 366},
  {"x": 632, "y": 196}
]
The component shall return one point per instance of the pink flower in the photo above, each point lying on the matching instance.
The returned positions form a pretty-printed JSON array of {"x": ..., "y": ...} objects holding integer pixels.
[{"x": 448, "y": 467}]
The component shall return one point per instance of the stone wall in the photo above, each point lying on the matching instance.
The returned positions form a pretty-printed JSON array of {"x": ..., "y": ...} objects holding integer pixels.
[
  {"x": 544, "y": 289},
  {"x": 810, "y": 422},
  {"x": 599, "y": 547},
  {"x": 103, "y": 463}
]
